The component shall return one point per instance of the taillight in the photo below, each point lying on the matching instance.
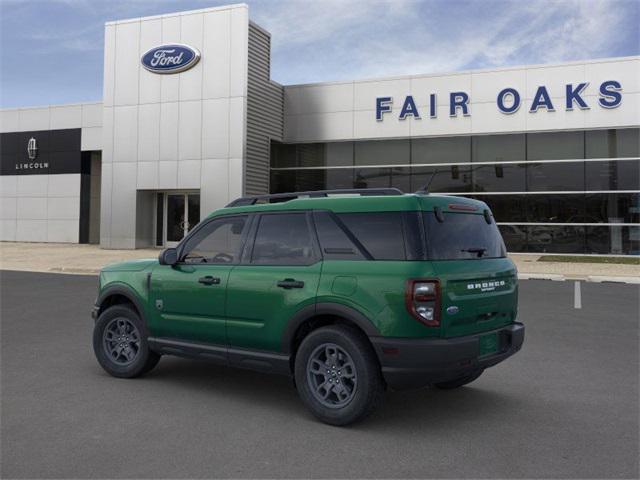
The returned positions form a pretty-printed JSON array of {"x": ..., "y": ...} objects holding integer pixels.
[{"x": 422, "y": 298}]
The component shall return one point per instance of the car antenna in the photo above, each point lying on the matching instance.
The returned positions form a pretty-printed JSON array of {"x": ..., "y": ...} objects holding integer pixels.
[{"x": 425, "y": 188}]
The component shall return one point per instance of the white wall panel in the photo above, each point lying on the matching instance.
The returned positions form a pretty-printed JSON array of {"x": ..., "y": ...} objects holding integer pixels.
[
  {"x": 150, "y": 36},
  {"x": 215, "y": 185},
  {"x": 107, "y": 135},
  {"x": 32, "y": 208},
  {"x": 237, "y": 126},
  {"x": 485, "y": 86},
  {"x": 8, "y": 208},
  {"x": 34, "y": 119},
  {"x": 91, "y": 115},
  {"x": 170, "y": 84},
  {"x": 554, "y": 78},
  {"x": 192, "y": 35},
  {"x": 320, "y": 99},
  {"x": 149, "y": 132},
  {"x": 238, "y": 62},
  {"x": 147, "y": 176},
  {"x": 236, "y": 172},
  {"x": 169, "y": 131},
  {"x": 109, "y": 68},
  {"x": 626, "y": 72},
  {"x": 215, "y": 128},
  {"x": 63, "y": 185},
  {"x": 125, "y": 134},
  {"x": 32, "y": 185},
  {"x": 31, "y": 230},
  {"x": 422, "y": 86},
  {"x": 8, "y": 185},
  {"x": 91, "y": 138},
  {"x": 168, "y": 174},
  {"x": 9, "y": 120},
  {"x": 189, "y": 174},
  {"x": 365, "y": 93},
  {"x": 8, "y": 230},
  {"x": 65, "y": 116},
  {"x": 127, "y": 63},
  {"x": 63, "y": 231},
  {"x": 215, "y": 61},
  {"x": 190, "y": 130},
  {"x": 63, "y": 208}
]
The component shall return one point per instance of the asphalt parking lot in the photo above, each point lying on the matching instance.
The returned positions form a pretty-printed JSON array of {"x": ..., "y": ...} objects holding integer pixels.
[{"x": 565, "y": 406}]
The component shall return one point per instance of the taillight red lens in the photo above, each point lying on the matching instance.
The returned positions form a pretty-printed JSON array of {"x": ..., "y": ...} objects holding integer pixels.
[{"x": 422, "y": 298}]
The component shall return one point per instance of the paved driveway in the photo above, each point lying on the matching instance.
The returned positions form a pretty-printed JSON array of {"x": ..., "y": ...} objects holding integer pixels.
[{"x": 565, "y": 406}]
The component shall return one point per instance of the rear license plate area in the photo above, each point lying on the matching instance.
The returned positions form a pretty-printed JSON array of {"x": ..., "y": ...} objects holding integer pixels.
[{"x": 489, "y": 344}]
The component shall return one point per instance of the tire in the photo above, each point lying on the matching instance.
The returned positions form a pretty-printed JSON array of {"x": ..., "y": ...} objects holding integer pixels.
[
  {"x": 459, "y": 382},
  {"x": 342, "y": 359},
  {"x": 122, "y": 323}
]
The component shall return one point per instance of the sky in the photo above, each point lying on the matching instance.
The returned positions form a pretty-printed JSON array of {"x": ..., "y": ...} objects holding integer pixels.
[{"x": 51, "y": 51}]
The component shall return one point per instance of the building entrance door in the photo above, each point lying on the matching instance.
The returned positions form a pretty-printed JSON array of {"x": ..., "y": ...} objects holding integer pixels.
[{"x": 182, "y": 213}]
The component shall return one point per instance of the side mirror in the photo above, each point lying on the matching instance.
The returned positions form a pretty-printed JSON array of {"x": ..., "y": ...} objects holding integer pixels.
[{"x": 169, "y": 256}]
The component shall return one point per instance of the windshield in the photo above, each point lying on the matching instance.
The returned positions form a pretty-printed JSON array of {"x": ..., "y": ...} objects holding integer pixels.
[{"x": 462, "y": 236}]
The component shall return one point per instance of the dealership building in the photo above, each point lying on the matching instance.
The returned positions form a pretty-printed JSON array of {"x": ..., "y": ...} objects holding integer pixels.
[{"x": 190, "y": 120}]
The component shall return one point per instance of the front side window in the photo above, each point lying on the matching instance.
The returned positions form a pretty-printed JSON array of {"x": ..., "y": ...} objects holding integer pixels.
[
  {"x": 283, "y": 239},
  {"x": 462, "y": 236},
  {"x": 219, "y": 241}
]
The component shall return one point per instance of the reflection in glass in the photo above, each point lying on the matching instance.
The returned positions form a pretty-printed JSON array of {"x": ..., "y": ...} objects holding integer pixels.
[
  {"x": 175, "y": 217},
  {"x": 614, "y": 240},
  {"x": 555, "y": 208},
  {"x": 613, "y": 208},
  {"x": 499, "y": 178},
  {"x": 505, "y": 208},
  {"x": 613, "y": 175},
  {"x": 555, "y": 239},
  {"x": 555, "y": 145},
  {"x": 499, "y": 148},
  {"x": 194, "y": 210},
  {"x": 452, "y": 179},
  {"x": 441, "y": 150},
  {"x": 543, "y": 177},
  {"x": 382, "y": 152},
  {"x": 612, "y": 143},
  {"x": 372, "y": 178}
]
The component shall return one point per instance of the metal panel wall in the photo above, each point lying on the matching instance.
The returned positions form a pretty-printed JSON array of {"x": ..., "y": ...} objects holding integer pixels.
[{"x": 265, "y": 114}]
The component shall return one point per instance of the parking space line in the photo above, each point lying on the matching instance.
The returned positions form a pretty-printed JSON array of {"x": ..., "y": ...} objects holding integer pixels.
[{"x": 577, "y": 295}]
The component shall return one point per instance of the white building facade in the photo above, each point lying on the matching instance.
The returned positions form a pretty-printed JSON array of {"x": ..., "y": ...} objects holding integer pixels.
[{"x": 553, "y": 149}]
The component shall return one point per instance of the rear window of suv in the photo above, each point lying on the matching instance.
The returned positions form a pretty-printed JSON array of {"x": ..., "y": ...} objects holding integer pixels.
[{"x": 462, "y": 236}]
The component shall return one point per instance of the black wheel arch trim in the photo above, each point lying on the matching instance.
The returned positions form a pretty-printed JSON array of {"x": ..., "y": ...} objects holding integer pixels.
[
  {"x": 350, "y": 314},
  {"x": 126, "y": 292}
]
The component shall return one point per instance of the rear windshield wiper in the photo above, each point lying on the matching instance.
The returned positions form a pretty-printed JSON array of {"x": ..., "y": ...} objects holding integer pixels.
[{"x": 477, "y": 250}]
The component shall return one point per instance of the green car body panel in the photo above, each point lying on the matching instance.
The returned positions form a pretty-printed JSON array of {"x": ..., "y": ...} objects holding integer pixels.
[{"x": 246, "y": 310}]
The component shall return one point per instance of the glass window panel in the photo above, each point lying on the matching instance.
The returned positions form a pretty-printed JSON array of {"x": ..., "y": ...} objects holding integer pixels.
[
  {"x": 193, "y": 200},
  {"x": 499, "y": 178},
  {"x": 506, "y": 208},
  {"x": 543, "y": 177},
  {"x": 283, "y": 155},
  {"x": 613, "y": 208},
  {"x": 401, "y": 178},
  {"x": 283, "y": 181},
  {"x": 216, "y": 242},
  {"x": 556, "y": 208},
  {"x": 380, "y": 233},
  {"x": 334, "y": 242},
  {"x": 613, "y": 175},
  {"x": 515, "y": 237},
  {"x": 555, "y": 145},
  {"x": 441, "y": 150},
  {"x": 555, "y": 239},
  {"x": 499, "y": 148},
  {"x": 338, "y": 178},
  {"x": 454, "y": 179},
  {"x": 310, "y": 155},
  {"x": 382, "y": 152},
  {"x": 372, "y": 178},
  {"x": 612, "y": 143},
  {"x": 613, "y": 240},
  {"x": 339, "y": 154},
  {"x": 283, "y": 239}
]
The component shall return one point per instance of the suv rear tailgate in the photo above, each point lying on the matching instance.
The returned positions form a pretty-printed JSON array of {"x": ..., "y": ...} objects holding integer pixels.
[{"x": 476, "y": 295}]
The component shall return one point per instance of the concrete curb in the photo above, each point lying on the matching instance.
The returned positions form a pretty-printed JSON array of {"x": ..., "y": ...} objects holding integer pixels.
[{"x": 587, "y": 278}]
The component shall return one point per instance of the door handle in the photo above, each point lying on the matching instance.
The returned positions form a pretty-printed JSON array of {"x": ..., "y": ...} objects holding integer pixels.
[
  {"x": 209, "y": 280},
  {"x": 290, "y": 283}
]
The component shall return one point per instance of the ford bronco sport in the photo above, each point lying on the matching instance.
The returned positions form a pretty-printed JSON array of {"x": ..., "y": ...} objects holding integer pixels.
[{"x": 349, "y": 292}]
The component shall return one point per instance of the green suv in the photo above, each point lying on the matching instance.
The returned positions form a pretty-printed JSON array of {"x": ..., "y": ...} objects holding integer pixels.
[{"x": 349, "y": 292}]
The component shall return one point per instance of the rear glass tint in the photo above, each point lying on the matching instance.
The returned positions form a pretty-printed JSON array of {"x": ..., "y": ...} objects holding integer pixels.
[
  {"x": 462, "y": 236},
  {"x": 380, "y": 233}
]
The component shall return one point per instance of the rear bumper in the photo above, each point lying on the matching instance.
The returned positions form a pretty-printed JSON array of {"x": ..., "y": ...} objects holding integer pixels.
[{"x": 409, "y": 363}]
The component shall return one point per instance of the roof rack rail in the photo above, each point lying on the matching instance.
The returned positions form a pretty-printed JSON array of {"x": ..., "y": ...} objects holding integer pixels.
[{"x": 285, "y": 197}]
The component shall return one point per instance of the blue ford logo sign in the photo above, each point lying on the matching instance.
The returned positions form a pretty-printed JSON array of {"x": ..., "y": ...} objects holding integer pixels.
[{"x": 171, "y": 58}]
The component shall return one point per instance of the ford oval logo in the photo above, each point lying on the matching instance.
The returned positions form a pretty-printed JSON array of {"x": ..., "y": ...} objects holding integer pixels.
[{"x": 173, "y": 58}]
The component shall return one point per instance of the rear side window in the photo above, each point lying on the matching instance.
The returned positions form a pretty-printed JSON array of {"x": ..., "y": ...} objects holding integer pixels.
[
  {"x": 462, "y": 236},
  {"x": 335, "y": 239},
  {"x": 381, "y": 234},
  {"x": 283, "y": 239}
]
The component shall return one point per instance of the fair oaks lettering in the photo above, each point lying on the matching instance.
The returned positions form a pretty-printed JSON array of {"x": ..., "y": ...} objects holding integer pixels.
[{"x": 508, "y": 101}]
